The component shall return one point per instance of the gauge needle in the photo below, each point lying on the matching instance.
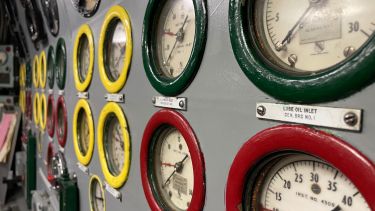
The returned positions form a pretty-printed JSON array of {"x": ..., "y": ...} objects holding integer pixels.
[
  {"x": 177, "y": 168},
  {"x": 179, "y": 37},
  {"x": 337, "y": 208},
  {"x": 170, "y": 33},
  {"x": 167, "y": 164}
]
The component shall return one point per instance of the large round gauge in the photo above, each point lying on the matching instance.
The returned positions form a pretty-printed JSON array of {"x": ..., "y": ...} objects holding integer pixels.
[
  {"x": 172, "y": 165},
  {"x": 316, "y": 51},
  {"x": 61, "y": 121},
  {"x": 114, "y": 144},
  {"x": 36, "y": 108},
  {"x": 83, "y": 132},
  {"x": 96, "y": 194},
  {"x": 3, "y": 58},
  {"x": 51, "y": 12},
  {"x": 87, "y": 8},
  {"x": 50, "y": 116},
  {"x": 49, "y": 161},
  {"x": 83, "y": 58},
  {"x": 36, "y": 71},
  {"x": 299, "y": 168},
  {"x": 60, "y": 64},
  {"x": 42, "y": 111},
  {"x": 174, "y": 36},
  {"x": 43, "y": 70},
  {"x": 115, "y": 49},
  {"x": 51, "y": 67}
]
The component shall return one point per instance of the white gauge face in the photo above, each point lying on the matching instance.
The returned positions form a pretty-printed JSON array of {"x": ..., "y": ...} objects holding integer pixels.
[
  {"x": 115, "y": 50},
  {"x": 97, "y": 196},
  {"x": 83, "y": 132},
  {"x": 175, "y": 36},
  {"x": 89, "y": 5},
  {"x": 115, "y": 148},
  {"x": 301, "y": 182},
  {"x": 312, "y": 35},
  {"x": 174, "y": 169},
  {"x": 3, "y": 57},
  {"x": 83, "y": 57},
  {"x": 60, "y": 122}
]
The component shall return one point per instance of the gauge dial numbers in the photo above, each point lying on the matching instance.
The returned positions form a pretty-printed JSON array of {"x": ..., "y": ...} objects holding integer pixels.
[
  {"x": 305, "y": 169},
  {"x": 36, "y": 109},
  {"x": 83, "y": 132},
  {"x": 172, "y": 165},
  {"x": 115, "y": 49},
  {"x": 42, "y": 111},
  {"x": 61, "y": 121},
  {"x": 83, "y": 58},
  {"x": 51, "y": 67},
  {"x": 96, "y": 194},
  {"x": 114, "y": 145},
  {"x": 36, "y": 71},
  {"x": 86, "y": 8},
  {"x": 51, "y": 13},
  {"x": 43, "y": 70},
  {"x": 318, "y": 46},
  {"x": 60, "y": 64},
  {"x": 50, "y": 116},
  {"x": 173, "y": 43}
]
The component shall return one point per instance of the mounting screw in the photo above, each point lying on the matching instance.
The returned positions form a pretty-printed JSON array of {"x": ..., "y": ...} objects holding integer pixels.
[
  {"x": 261, "y": 110},
  {"x": 348, "y": 51},
  {"x": 181, "y": 104},
  {"x": 351, "y": 119},
  {"x": 153, "y": 100}
]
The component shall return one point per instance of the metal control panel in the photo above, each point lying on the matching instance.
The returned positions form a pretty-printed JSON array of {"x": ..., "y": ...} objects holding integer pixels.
[{"x": 6, "y": 66}]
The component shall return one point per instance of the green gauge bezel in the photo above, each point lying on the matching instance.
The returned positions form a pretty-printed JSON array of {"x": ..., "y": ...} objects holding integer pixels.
[
  {"x": 60, "y": 57},
  {"x": 163, "y": 84},
  {"x": 51, "y": 67},
  {"x": 336, "y": 82}
]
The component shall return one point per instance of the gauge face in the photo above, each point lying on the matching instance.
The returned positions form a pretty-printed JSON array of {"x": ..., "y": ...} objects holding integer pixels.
[
  {"x": 175, "y": 36},
  {"x": 83, "y": 57},
  {"x": 318, "y": 34},
  {"x": 3, "y": 57},
  {"x": 115, "y": 48},
  {"x": 83, "y": 132},
  {"x": 114, "y": 144},
  {"x": 96, "y": 195},
  {"x": 50, "y": 116},
  {"x": 173, "y": 169},
  {"x": 61, "y": 121},
  {"x": 51, "y": 67},
  {"x": 86, "y": 7},
  {"x": 51, "y": 12}
]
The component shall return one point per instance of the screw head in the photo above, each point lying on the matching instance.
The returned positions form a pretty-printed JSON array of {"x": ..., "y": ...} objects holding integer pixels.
[
  {"x": 153, "y": 100},
  {"x": 261, "y": 110},
  {"x": 348, "y": 51},
  {"x": 351, "y": 119},
  {"x": 181, "y": 104},
  {"x": 292, "y": 59}
]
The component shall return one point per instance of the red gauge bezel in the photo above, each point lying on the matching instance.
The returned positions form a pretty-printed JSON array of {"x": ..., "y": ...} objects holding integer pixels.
[
  {"x": 61, "y": 104},
  {"x": 338, "y": 153},
  {"x": 51, "y": 122},
  {"x": 29, "y": 105},
  {"x": 174, "y": 119},
  {"x": 50, "y": 154}
]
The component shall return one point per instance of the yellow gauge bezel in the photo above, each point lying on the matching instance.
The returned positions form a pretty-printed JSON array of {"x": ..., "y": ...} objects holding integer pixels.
[
  {"x": 120, "y": 179},
  {"x": 95, "y": 177},
  {"x": 22, "y": 75},
  {"x": 42, "y": 69},
  {"x": 42, "y": 116},
  {"x": 116, "y": 12},
  {"x": 22, "y": 100},
  {"x": 83, "y": 85},
  {"x": 36, "y": 71},
  {"x": 36, "y": 108},
  {"x": 83, "y": 105}
]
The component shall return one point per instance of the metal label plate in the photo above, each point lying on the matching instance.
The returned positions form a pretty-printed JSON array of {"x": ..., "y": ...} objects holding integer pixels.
[
  {"x": 83, "y": 95},
  {"x": 83, "y": 168},
  {"x": 179, "y": 103},
  {"x": 112, "y": 191},
  {"x": 118, "y": 98},
  {"x": 339, "y": 118}
]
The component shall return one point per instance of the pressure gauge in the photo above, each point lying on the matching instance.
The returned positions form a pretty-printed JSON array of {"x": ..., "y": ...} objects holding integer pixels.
[
  {"x": 172, "y": 164},
  {"x": 298, "y": 168},
  {"x": 86, "y": 8},
  {"x": 114, "y": 145},
  {"x": 83, "y": 132},
  {"x": 42, "y": 111},
  {"x": 83, "y": 58},
  {"x": 49, "y": 161},
  {"x": 50, "y": 116},
  {"x": 51, "y": 67},
  {"x": 61, "y": 121},
  {"x": 3, "y": 58},
  {"x": 51, "y": 13},
  {"x": 36, "y": 71},
  {"x": 60, "y": 64},
  {"x": 29, "y": 105},
  {"x": 309, "y": 52},
  {"x": 43, "y": 70},
  {"x": 174, "y": 38},
  {"x": 36, "y": 108},
  {"x": 115, "y": 49},
  {"x": 96, "y": 194}
]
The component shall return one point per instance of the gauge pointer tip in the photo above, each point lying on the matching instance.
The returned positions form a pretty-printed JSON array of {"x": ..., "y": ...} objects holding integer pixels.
[{"x": 337, "y": 208}]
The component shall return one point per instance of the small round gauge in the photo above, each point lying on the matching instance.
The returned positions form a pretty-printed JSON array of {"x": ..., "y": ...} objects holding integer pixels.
[
  {"x": 43, "y": 70},
  {"x": 61, "y": 121},
  {"x": 42, "y": 111},
  {"x": 29, "y": 105},
  {"x": 96, "y": 194},
  {"x": 115, "y": 49},
  {"x": 173, "y": 43},
  {"x": 83, "y": 58},
  {"x": 114, "y": 145},
  {"x": 3, "y": 58},
  {"x": 36, "y": 71},
  {"x": 51, "y": 67},
  {"x": 51, "y": 12},
  {"x": 83, "y": 132},
  {"x": 50, "y": 116},
  {"x": 172, "y": 164},
  {"x": 315, "y": 51},
  {"x": 60, "y": 64},
  {"x": 36, "y": 108},
  {"x": 291, "y": 167},
  {"x": 49, "y": 160},
  {"x": 87, "y": 8}
]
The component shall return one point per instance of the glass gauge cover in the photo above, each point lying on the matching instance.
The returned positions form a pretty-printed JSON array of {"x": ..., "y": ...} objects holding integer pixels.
[
  {"x": 51, "y": 67},
  {"x": 173, "y": 43},
  {"x": 50, "y": 116},
  {"x": 172, "y": 164},
  {"x": 51, "y": 12},
  {"x": 96, "y": 194},
  {"x": 86, "y": 8},
  {"x": 3, "y": 57},
  {"x": 61, "y": 121},
  {"x": 316, "y": 46},
  {"x": 114, "y": 144},
  {"x": 60, "y": 64},
  {"x": 83, "y": 58}
]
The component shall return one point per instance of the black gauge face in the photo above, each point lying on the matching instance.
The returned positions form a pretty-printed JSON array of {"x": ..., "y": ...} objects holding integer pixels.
[
  {"x": 51, "y": 12},
  {"x": 83, "y": 132},
  {"x": 86, "y": 7},
  {"x": 114, "y": 48},
  {"x": 83, "y": 57},
  {"x": 114, "y": 145}
]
